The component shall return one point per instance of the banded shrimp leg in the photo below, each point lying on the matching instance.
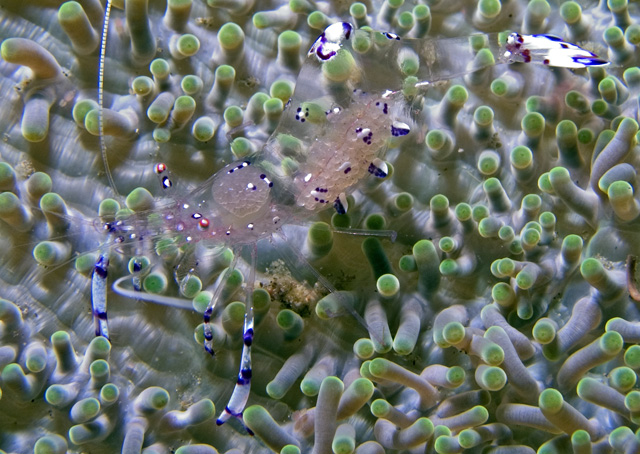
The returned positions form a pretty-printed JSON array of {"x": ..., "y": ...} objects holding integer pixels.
[{"x": 242, "y": 388}]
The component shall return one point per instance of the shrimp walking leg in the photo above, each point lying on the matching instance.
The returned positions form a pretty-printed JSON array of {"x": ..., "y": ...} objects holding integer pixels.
[
  {"x": 99, "y": 295},
  {"x": 208, "y": 332},
  {"x": 240, "y": 394}
]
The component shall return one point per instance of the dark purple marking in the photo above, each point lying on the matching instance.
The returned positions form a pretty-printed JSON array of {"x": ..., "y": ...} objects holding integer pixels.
[
  {"x": 347, "y": 170},
  {"x": 166, "y": 183},
  {"x": 302, "y": 116},
  {"x": 102, "y": 315},
  {"x": 397, "y": 131},
  {"x": 390, "y": 35},
  {"x": 248, "y": 337},
  {"x": 245, "y": 374},
  {"x": 346, "y": 29},
  {"x": 383, "y": 106},
  {"x": 101, "y": 267},
  {"x": 376, "y": 171},
  {"x": 322, "y": 55},
  {"x": 239, "y": 166},
  {"x": 266, "y": 180},
  {"x": 549, "y": 37},
  {"x": 368, "y": 138},
  {"x": 590, "y": 61},
  {"x": 339, "y": 207}
]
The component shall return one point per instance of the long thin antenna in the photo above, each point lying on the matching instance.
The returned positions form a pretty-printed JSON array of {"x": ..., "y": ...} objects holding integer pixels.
[{"x": 101, "y": 64}]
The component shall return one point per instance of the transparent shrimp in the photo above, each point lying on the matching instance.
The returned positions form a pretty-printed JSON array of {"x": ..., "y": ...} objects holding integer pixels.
[{"x": 333, "y": 134}]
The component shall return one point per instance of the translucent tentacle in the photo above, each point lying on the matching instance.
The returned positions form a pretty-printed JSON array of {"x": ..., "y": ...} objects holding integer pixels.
[{"x": 172, "y": 301}]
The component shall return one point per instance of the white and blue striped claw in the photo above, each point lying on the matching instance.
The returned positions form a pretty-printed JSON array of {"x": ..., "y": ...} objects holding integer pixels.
[{"x": 549, "y": 50}]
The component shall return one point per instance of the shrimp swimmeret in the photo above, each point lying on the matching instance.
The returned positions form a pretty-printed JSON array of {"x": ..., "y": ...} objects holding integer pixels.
[{"x": 344, "y": 115}]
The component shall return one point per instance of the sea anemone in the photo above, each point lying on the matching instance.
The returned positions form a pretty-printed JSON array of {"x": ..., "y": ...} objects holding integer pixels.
[{"x": 478, "y": 293}]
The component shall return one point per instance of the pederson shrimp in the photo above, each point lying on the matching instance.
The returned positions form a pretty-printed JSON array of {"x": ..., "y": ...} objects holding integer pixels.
[{"x": 331, "y": 138}]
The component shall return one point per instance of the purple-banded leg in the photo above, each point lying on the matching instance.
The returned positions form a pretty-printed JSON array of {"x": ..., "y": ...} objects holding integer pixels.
[
  {"x": 240, "y": 394},
  {"x": 99, "y": 295},
  {"x": 208, "y": 332}
]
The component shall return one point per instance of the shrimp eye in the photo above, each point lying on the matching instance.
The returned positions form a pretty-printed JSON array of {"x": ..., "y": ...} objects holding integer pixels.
[
  {"x": 160, "y": 168},
  {"x": 203, "y": 223}
]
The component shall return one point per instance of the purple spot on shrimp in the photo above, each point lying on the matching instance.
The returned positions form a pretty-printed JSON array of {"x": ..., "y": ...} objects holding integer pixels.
[
  {"x": 376, "y": 171},
  {"x": 101, "y": 267},
  {"x": 347, "y": 170},
  {"x": 327, "y": 45},
  {"x": 399, "y": 129},
  {"x": 337, "y": 204},
  {"x": 549, "y": 37},
  {"x": 100, "y": 314},
  {"x": 246, "y": 373},
  {"x": 346, "y": 29},
  {"x": 248, "y": 337},
  {"x": 588, "y": 61}
]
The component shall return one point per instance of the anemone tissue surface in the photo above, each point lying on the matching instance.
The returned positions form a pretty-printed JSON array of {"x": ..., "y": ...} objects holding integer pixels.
[{"x": 404, "y": 236}]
